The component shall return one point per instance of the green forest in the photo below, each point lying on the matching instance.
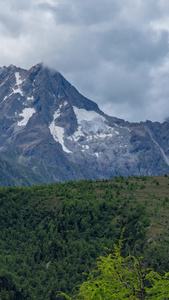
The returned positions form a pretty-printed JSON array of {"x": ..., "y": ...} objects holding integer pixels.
[{"x": 52, "y": 235}]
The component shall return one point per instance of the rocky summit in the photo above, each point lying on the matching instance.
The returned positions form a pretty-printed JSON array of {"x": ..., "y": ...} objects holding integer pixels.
[{"x": 49, "y": 132}]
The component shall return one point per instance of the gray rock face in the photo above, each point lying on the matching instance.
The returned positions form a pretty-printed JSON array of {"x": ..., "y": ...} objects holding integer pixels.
[{"x": 57, "y": 134}]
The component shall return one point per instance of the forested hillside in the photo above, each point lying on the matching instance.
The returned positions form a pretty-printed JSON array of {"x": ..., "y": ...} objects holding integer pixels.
[{"x": 51, "y": 234}]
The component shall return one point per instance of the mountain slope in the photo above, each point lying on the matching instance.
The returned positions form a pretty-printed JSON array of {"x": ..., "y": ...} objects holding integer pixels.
[
  {"x": 12, "y": 174},
  {"x": 47, "y": 126}
]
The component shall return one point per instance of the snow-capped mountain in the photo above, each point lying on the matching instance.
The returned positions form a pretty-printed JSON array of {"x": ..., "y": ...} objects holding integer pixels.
[{"x": 59, "y": 135}]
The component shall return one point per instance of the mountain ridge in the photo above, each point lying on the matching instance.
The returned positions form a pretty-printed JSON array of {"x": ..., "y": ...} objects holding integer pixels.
[{"x": 48, "y": 127}]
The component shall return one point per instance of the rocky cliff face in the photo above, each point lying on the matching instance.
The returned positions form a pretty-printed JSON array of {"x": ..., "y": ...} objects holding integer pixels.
[{"x": 57, "y": 134}]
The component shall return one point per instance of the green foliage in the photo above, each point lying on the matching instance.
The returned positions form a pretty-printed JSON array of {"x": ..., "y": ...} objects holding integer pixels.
[
  {"x": 120, "y": 278},
  {"x": 8, "y": 288},
  {"x": 51, "y": 235}
]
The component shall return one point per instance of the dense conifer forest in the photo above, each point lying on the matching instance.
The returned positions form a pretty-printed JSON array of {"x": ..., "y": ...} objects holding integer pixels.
[{"x": 51, "y": 235}]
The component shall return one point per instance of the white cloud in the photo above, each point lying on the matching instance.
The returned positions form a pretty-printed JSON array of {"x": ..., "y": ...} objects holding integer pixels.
[{"x": 114, "y": 52}]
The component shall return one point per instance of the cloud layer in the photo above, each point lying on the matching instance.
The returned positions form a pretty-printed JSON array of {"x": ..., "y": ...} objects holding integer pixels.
[{"x": 114, "y": 52}]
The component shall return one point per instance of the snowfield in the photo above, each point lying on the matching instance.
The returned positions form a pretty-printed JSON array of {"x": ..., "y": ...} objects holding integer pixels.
[{"x": 26, "y": 114}]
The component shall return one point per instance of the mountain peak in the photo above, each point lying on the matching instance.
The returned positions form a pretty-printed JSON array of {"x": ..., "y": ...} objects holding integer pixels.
[
  {"x": 47, "y": 126},
  {"x": 36, "y": 67}
]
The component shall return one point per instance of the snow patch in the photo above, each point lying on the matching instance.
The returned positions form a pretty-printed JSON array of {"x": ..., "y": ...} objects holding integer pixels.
[
  {"x": 122, "y": 127},
  {"x": 86, "y": 115},
  {"x": 58, "y": 132},
  {"x": 18, "y": 78},
  {"x": 4, "y": 81},
  {"x": 85, "y": 147},
  {"x": 91, "y": 125},
  {"x": 16, "y": 89},
  {"x": 26, "y": 114},
  {"x": 56, "y": 114},
  {"x": 30, "y": 98},
  {"x": 5, "y": 98}
]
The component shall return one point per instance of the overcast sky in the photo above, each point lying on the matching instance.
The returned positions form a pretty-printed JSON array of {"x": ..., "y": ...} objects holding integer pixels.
[{"x": 114, "y": 52}]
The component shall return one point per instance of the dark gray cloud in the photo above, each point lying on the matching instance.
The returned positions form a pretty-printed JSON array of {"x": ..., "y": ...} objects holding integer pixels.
[
  {"x": 114, "y": 52},
  {"x": 87, "y": 13}
]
